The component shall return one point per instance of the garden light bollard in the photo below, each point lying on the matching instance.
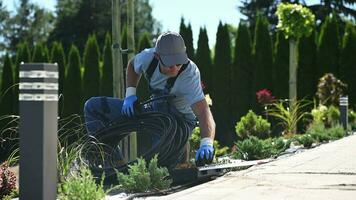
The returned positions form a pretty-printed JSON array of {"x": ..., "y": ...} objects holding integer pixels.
[
  {"x": 344, "y": 102},
  {"x": 38, "y": 97}
]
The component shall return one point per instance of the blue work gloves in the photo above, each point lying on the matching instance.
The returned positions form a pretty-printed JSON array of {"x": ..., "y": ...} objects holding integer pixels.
[
  {"x": 128, "y": 108},
  {"x": 205, "y": 153}
]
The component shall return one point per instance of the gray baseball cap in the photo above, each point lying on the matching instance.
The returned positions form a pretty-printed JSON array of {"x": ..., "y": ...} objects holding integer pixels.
[{"x": 171, "y": 48}]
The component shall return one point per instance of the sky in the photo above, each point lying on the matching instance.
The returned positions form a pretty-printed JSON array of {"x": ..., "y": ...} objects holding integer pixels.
[{"x": 199, "y": 13}]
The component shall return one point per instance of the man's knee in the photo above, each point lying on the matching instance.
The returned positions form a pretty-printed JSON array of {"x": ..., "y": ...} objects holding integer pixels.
[{"x": 91, "y": 104}]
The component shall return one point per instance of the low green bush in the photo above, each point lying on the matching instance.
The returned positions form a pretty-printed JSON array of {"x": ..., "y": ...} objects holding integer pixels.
[
  {"x": 252, "y": 149},
  {"x": 352, "y": 119},
  {"x": 332, "y": 116},
  {"x": 141, "y": 179},
  {"x": 81, "y": 185},
  {"x": 336, "y": 132},
  {"x": 318, "y": 132},
  {"x": 252, "y": 125},
  {"x": 306, "y": 140}
]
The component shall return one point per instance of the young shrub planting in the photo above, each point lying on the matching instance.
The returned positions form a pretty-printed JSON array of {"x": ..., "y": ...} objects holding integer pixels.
[
  {"x": 289, "y": 115},
  {"x": 332, "y": 116},
  {"x": 352, "y": 119},
  {"x": 336, "y": 132},
  {"x": 252, "y": 125},
  {"x": 81, "y": 185},
  {"x": 252, "y": 149},
  {"x": 306, "y": 140},
  {"x": 141, "y": 179},
  {"x": 318, "y": 132}
]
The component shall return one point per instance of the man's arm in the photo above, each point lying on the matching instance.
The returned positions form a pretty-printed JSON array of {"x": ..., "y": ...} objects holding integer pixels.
[
  {"x": 206, "y": 120},
  {"x": 132, "y": 77}
]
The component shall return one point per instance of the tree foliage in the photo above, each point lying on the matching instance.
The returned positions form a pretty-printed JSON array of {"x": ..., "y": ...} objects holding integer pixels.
[
  {"x": 203, "y": 60},
  {"x": 262, "y": 53},
  {"x": 58, "y": 56},
  {"x": 73, "y": 84},
  {"x": 295, "y": 20},
  {"x": 7, "y": 89},
  {"x": 106, "y": 82},
  {"x": 307, "y": 69},
  {"x": 348, "y": 62},
  {"x": 91, "y": 76},
  {"x": 281, "y": 67},
  {"x": 242, "y": 73},
  {"x": 187, "y": 35},
  {"x": 329, "y": 47}
]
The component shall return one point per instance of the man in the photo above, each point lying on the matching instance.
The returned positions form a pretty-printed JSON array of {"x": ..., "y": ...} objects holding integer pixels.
[{"x": 167, "y": 61}]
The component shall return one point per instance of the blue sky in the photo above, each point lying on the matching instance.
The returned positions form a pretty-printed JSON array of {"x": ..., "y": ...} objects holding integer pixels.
[{"x": 198, "y": 13}]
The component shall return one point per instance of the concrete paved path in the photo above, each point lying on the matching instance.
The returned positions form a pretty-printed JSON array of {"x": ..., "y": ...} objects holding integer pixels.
[{"x": 325, "y": 172}]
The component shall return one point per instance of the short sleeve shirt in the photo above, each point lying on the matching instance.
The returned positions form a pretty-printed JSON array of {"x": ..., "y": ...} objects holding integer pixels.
[{"x": 187, "y": 87}]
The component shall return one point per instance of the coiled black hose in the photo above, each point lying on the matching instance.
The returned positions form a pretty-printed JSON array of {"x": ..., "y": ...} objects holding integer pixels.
[{"x": 172, "y": 130}]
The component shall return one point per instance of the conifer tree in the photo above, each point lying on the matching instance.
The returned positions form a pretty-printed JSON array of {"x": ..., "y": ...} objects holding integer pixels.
[
  {"x": 39, "y": 54},
  {"x": 124, "y": 46},
  {"x": 142, "y": 88},
  {"x": 73, "y": 84},
  {"x": 307, "y": 69},
  {"x": 348, "y": 62},
  {"x": 221, "y": 81},
  {"x": 6, "y": 109},
  {"x": 144, "y": 42},
  {"x": 23, "y": 55},
  {"x": 262, "y": 54},
  {"x": 203, "y": 60},
  {"x": 107, "y": 70},
  {"x": 7, "y": 89},
  {"x": 281, "y": 68},
  {"x": 242, "y": 73},
  {"x": 91, "y": 76},
  {"x": 58, "y": 56},
  {"x": 328, "y": 48},
  {"x": 187, "y": 34}
]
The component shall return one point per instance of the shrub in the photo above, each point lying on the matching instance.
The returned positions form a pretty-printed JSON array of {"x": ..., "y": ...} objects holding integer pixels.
[
  {"x": 318, "y": 132},
  {"x": 289, "y": 116},
  {"x": 252, "y": 149},
  {"x": 319, "y": 114},
  {"x": 7, "y": 181},
  {"x": 141, "y": 179},
  {"x": 332, "y": 116},
  {"x": 252, "y": 125},
  {"x": 306, "y": 140},
  {"x": 352, "y": 119},
  {"x": 158, "y": 175},
  {"x": 336, "y": 132},
  {"x": 329, "y": 90},
  {"x": 81, "y": 186}
]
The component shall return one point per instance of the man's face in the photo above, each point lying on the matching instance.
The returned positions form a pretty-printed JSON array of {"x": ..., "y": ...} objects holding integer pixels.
[{"x": 170, "y": 71}]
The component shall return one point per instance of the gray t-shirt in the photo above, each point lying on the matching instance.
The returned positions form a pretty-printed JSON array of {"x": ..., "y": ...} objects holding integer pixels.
[{"x": 187, "y": 87}]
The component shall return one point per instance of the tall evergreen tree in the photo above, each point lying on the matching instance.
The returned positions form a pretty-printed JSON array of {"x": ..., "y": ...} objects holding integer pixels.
[
  {"x": 142, "y": 88},
  {"x": 348, "y": 62},
  {"x": 23, "y": 55},
  {"x": 107, "y": 70},
  {"x": 307, "y": 69},
  {"x": 124, "y": 46},
  {"x": 281, "y": 68},
  {"x": 328, "y": 48},
  {"x": 262, "y": 53},
  {"x": 40, "y": 54},
  {"x": 91, "y": 76},
  {"x": 7, "y": 89},
  {"x": 6, "y": 109},
  {"x": 203, "y": 60},
  {"x": 73, "y": 84},
  {"x": 58, "y": 56},
  {"x": 187, "y": 35},
  {"x": 242, "y": 73},
  {"x": 221, "y": 82}
]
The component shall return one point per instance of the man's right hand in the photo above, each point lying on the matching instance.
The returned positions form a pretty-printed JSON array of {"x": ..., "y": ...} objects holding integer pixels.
[{"x": 128, "y": 108}]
